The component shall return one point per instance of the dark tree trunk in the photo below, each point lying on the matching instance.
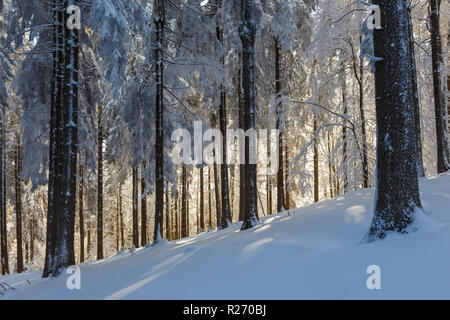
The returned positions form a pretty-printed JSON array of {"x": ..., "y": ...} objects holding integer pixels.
[
  {"x": 167, "y": 215},
  {"x": 80, "y": 211},
  {"x": 247, "y": 30},
  {"x": 316, "y": 163},
  {"x": 279, "y": 114},
  {"x": 54, "y": 178},
  {"x": 177, "y": 220},
  {"x": 135, "y": 208},
  {"x": 89, "y": 238},
  {"x": 344, "y": 134},
  {"x": 18, "y": 172},
  {"x": 100, "y": 185},
  {"x": 122, "y": 232},
  {"x": 225, "y": 220},
  {"x": 65, "y": 250},
  {"x": 209, "y": 198},
  {"x": 363, "y": 125},
  {"x": 286, "y": 175},
  {"x": 241, "y": 165},
  {"x": 395, "y": 206},
  {"x": 418, "y": 131},
  {"x": 118, "y": 224},
  {"x": 184, "y": 213},
  {"x": 440, "y": 101},
  {"x": 216, "y": 179},
  {"x": 159, "y": 21},
  {"x": 202, "y": 201},
  {"x": 32, "y": 239},
  {"x": 143, "y": 208}
]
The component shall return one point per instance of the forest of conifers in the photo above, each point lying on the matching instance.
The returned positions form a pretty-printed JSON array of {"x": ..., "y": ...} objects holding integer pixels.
[{"x": 92, "y": 92}]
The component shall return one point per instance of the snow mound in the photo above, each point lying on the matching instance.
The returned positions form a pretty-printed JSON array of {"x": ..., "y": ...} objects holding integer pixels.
[{"x": 313, "y": 252}]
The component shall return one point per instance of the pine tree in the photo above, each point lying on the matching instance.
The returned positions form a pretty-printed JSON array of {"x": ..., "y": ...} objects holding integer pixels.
[
  {"x": 247, "y": 30},
  {"x": 396, "y": 140},
  {"x": 18, "y": 192},
  {"x": 159, "y": 21},
  {"x": 100, "y": 184},
  {"x": 440, "y": 101}
]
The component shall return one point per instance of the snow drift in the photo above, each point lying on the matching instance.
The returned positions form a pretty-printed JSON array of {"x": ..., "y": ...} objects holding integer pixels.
[{"x": 314, "y": 252}]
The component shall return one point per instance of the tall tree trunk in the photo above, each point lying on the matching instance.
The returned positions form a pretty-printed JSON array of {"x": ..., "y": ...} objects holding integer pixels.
[
  {"x": 418, "y": 131},
  {"x": 225, "y": 220},
  {"x": 122, "y": 232},
  {"x": 54, "y": 177},
  {"x": 65, "y": 250},
  {"x": 241, "y": 165},
  {"x": 344, "y": 132},
  {"x": 159, "y": 20},
  {"x": 440, "y": 102},
  {"x": 143, "y": 207},
  {"x": 209, "y": 199},
  {"x": 330, "y": 170},
  {"x": 18, "y": 172},
  {"x": 89, "y": 237},
  {"x": 184, "y": 226},
  {"x": 316, "y": 163},
  {"x": 118, "y": 224},
  {"x": 216, "y": 179},
  {"x": 202, "y": 201},
  {"x": 396, "y": 157},
  {"x": 32, "y": 240},
  {"x": 135, "y": 208},
  {"x": 363, "y": 121},
  {"x": 100, "y": 185},
  {"x": 167, "y": 215},
  {"x": 247, "y": 30},
  {"x": 279, "y": 114},
  {"x": 286, "y": 175},
  {"x": 80, "y": 211},
  {"x": 177, "y": 218}
]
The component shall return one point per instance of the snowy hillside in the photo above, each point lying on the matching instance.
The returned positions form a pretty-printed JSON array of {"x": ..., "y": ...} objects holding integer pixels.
[{"x": 308, "y": 253}]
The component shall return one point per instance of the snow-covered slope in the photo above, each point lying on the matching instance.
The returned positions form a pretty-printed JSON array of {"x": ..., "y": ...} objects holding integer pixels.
[{"x": 309, "y": 253}]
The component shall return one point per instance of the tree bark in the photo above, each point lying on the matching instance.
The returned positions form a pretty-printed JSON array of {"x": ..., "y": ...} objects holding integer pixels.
[
  {"x": 135, "y": 208},
  {"x": 159, "y": 20},
  {"x": 241, "y": 165},
  {"x": 143, "y": 207},
  {"x": 316, "y": 163},
  {"x": 279, "y": 114},
  {"x": 418, "y": 131},
  {"x": 65, "y": 250},
  {"x": 100, "y": 185},
  {"x": 209, "y": 199},
  {"x": 80, "y": 211},
  {"x": 184, "y": 212},
  {"x": 202, "y": 201},
  {"x": 18, "y": 172},
  {"x": 54, "y": 178},
  {"x": 440, "y": 101},
  {"x": 247, "y": 30},
  {"x": 122, "y": 235},
  {"x": 395, "y": 206}
]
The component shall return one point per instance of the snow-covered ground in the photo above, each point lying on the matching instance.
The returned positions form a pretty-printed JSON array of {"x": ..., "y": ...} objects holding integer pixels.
[{"x": 309, "y": 253}]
